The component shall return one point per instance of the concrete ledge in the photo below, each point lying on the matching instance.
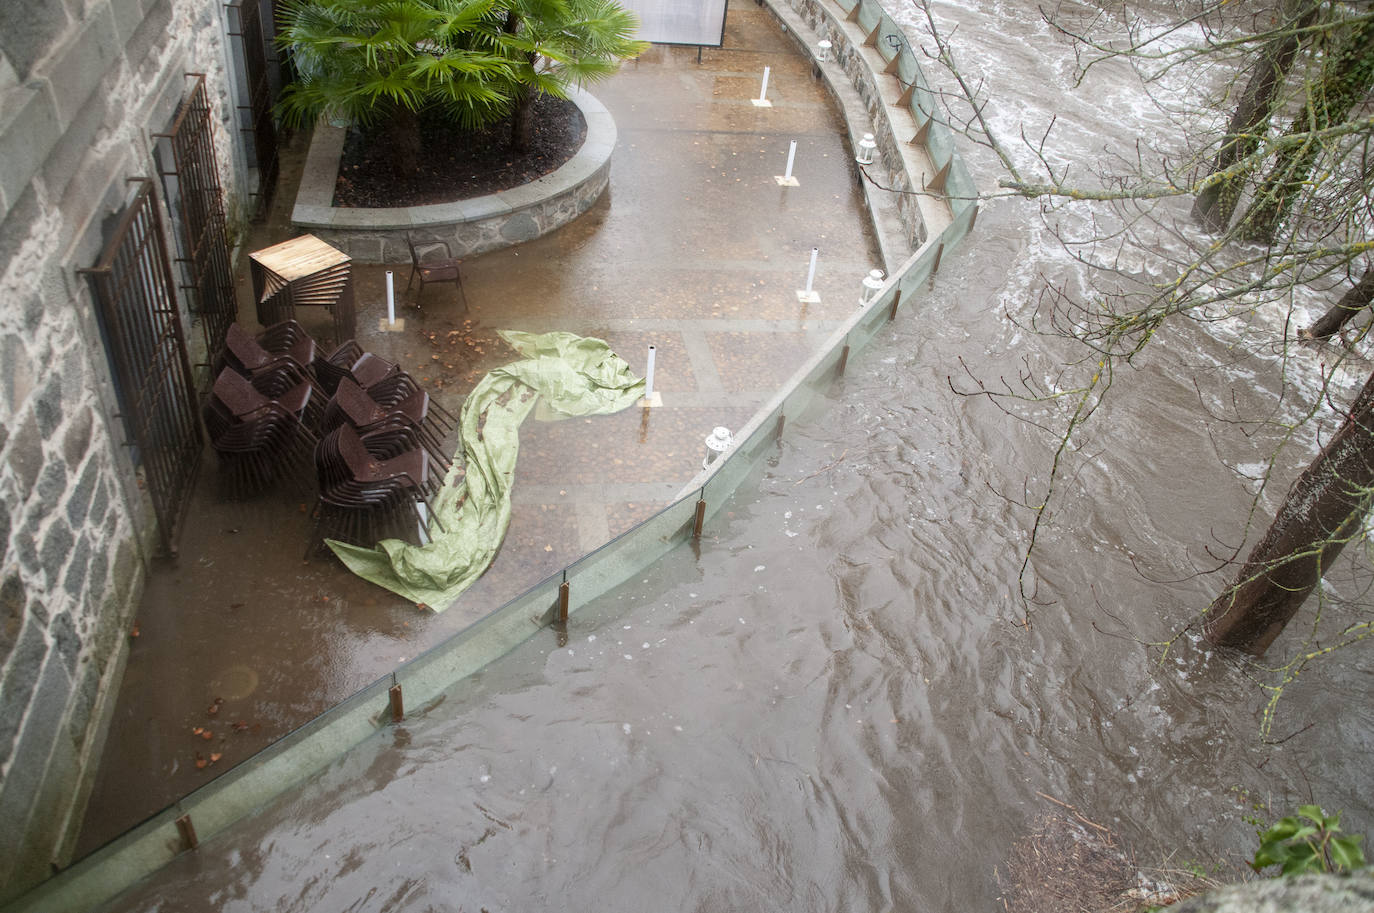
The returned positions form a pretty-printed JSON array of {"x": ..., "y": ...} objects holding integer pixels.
[{"x": 470, "y": 226}]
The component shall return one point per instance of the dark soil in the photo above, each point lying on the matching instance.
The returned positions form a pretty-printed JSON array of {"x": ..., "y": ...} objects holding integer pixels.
[{"x": 455, "y": 163}]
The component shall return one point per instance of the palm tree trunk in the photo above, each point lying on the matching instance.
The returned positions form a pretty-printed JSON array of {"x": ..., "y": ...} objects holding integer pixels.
[
  {"x": 522, "y": 120},
  {"x": 1321, "y": 512},
  {"x": 1216, "y": 203},
  {"x": 1351, "y": 303},
  {"x": 403, "y": 138}
]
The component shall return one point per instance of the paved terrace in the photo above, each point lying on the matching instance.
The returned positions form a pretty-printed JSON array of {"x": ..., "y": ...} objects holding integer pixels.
[{"x": 694, "y": 248}]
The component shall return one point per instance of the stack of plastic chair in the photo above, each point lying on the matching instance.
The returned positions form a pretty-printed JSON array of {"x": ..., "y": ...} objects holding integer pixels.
[
  {"x": 402, "y": 392},
  {"x": 281, "y": 348},
  {"x": 370, "y": 368},
  {"x": 337, "y": 364},
  {"x": 372, "y": 486},
  {"x": 353, "y": 405},
  {"x": 259, "y": 437}
]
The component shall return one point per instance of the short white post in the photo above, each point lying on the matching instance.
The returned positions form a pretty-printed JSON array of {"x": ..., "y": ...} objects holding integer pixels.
[
  {"x": 422, "y": 509},
  {"x": 763, "y": 92},
  {"x": 651, "y": 396},
  {"x": 786, "y": 179},
  {"x": 390, "y": 324},
  {"x": 808, "y": 295}
]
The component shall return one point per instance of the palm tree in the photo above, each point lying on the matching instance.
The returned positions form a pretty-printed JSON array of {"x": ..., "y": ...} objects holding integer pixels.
[
  {"x": 556, "y": 44},
  {"x": 381, "y": 62}
]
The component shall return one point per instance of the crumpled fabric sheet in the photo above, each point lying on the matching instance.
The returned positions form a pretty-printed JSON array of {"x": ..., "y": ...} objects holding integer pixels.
[{"x": 577, "y": 376}]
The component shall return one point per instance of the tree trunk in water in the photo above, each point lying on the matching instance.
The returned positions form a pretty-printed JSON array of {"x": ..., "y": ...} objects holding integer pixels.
[
  {"x": 1345, "y": 79},
  {"x": 1322, "y": 510},
  {"x": 1215, "y": 204},
  {"x": 403, "y": 137},
  {"x": 1351, "y": 303}
]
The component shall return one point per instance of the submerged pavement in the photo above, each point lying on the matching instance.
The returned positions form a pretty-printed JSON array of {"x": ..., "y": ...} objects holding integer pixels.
[{"x": 695, "y": 248}]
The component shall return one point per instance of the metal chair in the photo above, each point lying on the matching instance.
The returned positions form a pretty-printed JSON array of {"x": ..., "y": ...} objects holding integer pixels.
[
  {"x": 352, "y": 405},
  {"x": 434, "y": 270},
  {"x": 258, "y": 438},
  {"x": 371, "y": 487}
]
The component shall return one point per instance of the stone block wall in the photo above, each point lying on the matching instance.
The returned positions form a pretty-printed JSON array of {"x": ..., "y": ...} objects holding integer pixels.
[{"x": 83, "y": 85}]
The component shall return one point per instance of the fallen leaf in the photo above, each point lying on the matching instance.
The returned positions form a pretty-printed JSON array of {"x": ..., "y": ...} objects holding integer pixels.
[
  {"x": 200, "y": 762},
  {"x": 212, "y": 709},
  {"x": 133, "y": 632},
  {"x": 197, "y": 731},
  {"x": 548, "y": 548},
  {"x": 207, "y": 735},
  {"x": 215, "y": 756}
]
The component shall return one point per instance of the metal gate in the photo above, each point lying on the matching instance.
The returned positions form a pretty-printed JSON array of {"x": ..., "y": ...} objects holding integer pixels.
[
  {"x": 193, "y": 181},
  {"x": 260, "y": 126},
  {"x": 142, "y": 326}
]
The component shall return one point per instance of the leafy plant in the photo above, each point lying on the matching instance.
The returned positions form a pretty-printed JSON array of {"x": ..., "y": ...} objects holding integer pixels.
[
  {"x": 380, "y": 62},
  {"x": 1308, "y": 842}
]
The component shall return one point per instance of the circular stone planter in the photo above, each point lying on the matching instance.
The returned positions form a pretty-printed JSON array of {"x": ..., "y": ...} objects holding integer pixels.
[{"x": 470, "y": 226}]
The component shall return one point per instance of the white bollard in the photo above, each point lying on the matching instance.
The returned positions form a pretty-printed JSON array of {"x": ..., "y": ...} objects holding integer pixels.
[
  {"x": 791, "y": 157},
  {"x": 763, "y": 92},
  {"x": 651, "y": 396},
  {"x": 808, "y": 295},
  {"x": 390, "y": 324}
]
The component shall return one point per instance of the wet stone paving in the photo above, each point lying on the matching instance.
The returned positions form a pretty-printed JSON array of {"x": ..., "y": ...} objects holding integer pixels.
[{"x": 695, "y": 248}]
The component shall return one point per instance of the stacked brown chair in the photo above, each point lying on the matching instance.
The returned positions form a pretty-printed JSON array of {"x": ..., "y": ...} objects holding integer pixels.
[
  {"x": 400, "y": 387},
  {"x": 353, "y": 405},
  {"x": 282, "y": 348},
  {"x": 259, "y": 438},
  {"x": 372, "y": 486},
  {"x": 337, "y": 364}
]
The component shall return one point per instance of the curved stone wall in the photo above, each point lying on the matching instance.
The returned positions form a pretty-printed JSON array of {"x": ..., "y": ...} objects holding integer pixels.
[{"x": 470, "y": 226}]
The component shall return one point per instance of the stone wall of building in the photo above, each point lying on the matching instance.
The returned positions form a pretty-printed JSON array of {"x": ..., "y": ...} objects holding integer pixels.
[{"x": 83, "y": 85}]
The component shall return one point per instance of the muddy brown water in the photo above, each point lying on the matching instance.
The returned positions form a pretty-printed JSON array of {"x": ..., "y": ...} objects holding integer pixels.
[{"x": 834, "y": 703}]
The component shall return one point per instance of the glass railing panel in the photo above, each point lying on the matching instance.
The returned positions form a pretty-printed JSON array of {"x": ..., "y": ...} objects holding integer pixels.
[
  {"x": 432, "y": 673},
  {"x": 214, "y": 806},
  {"x": 630, "y": 553},
  {"x": 290, "y": 760},
  {"x": 741, "y": 459}
]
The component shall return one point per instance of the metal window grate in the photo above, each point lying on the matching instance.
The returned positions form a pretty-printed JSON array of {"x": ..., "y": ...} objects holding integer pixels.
[
  {"x": 138, "y": 310},
  {"x": 193, "y": 181},
  {"x": 252, "y": 49}
]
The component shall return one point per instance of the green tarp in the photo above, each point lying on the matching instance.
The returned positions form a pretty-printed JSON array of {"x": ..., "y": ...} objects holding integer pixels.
[{"x": 576, "y": 375}]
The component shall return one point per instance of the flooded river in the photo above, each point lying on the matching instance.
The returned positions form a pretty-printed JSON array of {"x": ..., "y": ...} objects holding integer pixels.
[{"x": 836, "y": 702}]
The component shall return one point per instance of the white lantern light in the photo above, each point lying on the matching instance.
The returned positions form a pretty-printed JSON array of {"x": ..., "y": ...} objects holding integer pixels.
[
  {"x": 823, "y": 51},
  {"x": 717, "y": 442},
  {"x": 872, "y": 283},
  {"x": 866, "y": 149}
]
